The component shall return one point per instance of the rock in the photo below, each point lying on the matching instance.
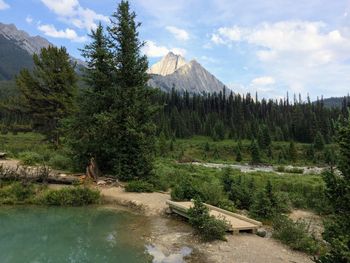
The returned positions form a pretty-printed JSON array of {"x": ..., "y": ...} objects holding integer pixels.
[
  {"x": 101, "y": 182},
  {"x": 261, "y": 232}
]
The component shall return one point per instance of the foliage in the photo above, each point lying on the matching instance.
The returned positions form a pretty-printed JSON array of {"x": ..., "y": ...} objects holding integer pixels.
[
  {"x": 338, "y": 193},
  {"x": 293, "y": 153},
  {"x": 61, "y": 162},
  {"x": 121, "y": 133},
  {"x": 71, "y": 196},
  {"x": 207, "y": 226},
  {"x": 294, "y": 234},
  {"x": 261, "y": 207},
  {"x": 255, "y": 153},
  {"x": 30, "y": 158},
  {"x": 139, "y": 187},
  {"x": 47, "y": 94}
]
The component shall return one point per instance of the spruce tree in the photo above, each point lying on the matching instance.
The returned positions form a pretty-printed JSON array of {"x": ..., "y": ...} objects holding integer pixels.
[
  {"x": 91, "y": 132},
  {"x": 255, "y": 153},
  {"x": 319, "y": 141},
  {"x": 338, "y": 192},
  {"x": 293, "y": 153},
  {"x": 133, "y": 109},
  {"x": 48, "y": 92}
]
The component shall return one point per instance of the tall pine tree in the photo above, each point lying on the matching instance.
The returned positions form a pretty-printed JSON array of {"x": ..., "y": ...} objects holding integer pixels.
[
  {"x": 48, "y": 92},
  {"x": 133, "y": 109}
]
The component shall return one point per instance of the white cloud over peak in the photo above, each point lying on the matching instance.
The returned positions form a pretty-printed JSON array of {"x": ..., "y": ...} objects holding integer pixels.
[
  {"x": 29, "y": 19},
  {"x": 71, "y": 12},
  {"x": 179, "y": 34},
  {"x": 4, "y": 5},
  {"x": 51, "y": 31},
  {"x": 263, "y": 81},
  {"x": 152, "y": 50}
]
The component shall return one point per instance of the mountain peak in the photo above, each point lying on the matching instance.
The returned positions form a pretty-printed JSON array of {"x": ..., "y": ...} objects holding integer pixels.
[
  {"x": 173, "y": 70},
  {"x": 168, "y": 65}
]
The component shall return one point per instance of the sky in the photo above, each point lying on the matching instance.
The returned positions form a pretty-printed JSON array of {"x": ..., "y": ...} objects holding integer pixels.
[{"x": 267, "y": 46}]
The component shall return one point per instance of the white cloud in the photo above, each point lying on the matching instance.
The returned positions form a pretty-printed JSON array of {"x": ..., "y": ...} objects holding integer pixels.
[
  {"x": 263, "y": 81},
  {"x": 304, "y": 56},
  {"x": 151, "y": 49},
  {"x": 29, "y": 19},
  {"x": 4, "y": 5},
  {"x": 71, "y": 12},
  {"x": 307, "y": 40},
  {"x": 51, "y": 31},
  {"x": 179, "y": 34}
]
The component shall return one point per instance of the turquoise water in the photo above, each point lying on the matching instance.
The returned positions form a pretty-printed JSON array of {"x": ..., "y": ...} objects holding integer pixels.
[{"x": 59, "y": 235}]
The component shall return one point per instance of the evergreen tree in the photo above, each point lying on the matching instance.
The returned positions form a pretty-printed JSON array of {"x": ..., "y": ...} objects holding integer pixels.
[
  {"x": 293, "y": 153},
  {"x": 162, "y": 144},
  {"x": 238, "y": 155},
  {"x": 92, "y": 130},
  {"x": 261, "y": 207},
  {"x": 255, "y": 153},
  {"x": 133, "y": 110},
  {"x": 219, "y": 131},
  {"x": 338, "y": 192},
  {"x": 319, "y": 141},
  {"x": 48, "y": 93}
]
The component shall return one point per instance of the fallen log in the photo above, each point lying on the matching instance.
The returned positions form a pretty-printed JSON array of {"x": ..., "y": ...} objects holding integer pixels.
[{"x": 37, "y": 174}]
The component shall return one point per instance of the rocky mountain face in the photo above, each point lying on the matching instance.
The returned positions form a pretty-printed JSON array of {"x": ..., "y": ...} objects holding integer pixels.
[
  {"x": 22, "y": 39},
  {"x": 174, "y": 71},
  {"x": 16, "y": 50}
]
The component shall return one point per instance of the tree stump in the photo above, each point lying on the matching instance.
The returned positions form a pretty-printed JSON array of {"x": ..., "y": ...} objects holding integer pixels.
[{"x": 92, "y": 170}]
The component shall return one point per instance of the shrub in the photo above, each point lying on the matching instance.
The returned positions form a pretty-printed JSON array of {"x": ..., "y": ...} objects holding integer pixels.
[
  {"x": 17, "y": 192},
  {"x": 184, "y": 190},
  {"x": 29, "y": 158},
  {"x": 22, "y": 191},
  {"x": 227, "y": 205},
  {"x": 207, "y": 226},
  {"x": 71, "y": 196},
  {"x": 294, "y": 234},
  {"x": 139, "y": 187},
  {"x": 61, "y": 162}
]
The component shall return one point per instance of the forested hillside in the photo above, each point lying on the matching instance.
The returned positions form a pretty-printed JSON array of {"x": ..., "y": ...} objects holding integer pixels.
[{"x": 240, "y": 117}]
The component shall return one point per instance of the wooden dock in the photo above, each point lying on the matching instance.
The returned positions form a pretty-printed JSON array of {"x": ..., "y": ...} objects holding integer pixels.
[{"x": 237, "y": 223}]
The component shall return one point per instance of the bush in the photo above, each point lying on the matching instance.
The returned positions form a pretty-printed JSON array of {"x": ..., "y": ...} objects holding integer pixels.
[
  {"x": 16, "y": 193},
  {"x": 30, "y": 158},
  {"x": 207, "y": 226},
  {"x": 58, "y": 161},
  {"x": 184, "y": 190},
  {"x": 71, "y": 196},
  {"x": 294, "y": 234},
  {"x": 139, "y": 187},
  {"x": 22, "y": 191}
]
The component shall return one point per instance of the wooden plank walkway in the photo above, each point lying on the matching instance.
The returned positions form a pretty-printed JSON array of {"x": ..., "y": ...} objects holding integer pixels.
[{"x": 236, "y": 222}]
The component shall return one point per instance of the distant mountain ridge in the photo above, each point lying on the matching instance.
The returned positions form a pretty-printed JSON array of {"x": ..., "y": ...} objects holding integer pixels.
[
  {"x": 23, "y": 39},
  {"x": 17, "y": 48},
  {"x": 174, "y": 71}
]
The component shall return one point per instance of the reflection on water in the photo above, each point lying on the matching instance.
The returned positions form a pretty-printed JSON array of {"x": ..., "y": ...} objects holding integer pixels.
[
  {"x": 59, "y": 235},
  {"x": 160, "y": 257}
]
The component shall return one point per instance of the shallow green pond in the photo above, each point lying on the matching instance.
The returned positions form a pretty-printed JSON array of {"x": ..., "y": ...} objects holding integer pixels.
[{"x": 59, "y": 235}]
